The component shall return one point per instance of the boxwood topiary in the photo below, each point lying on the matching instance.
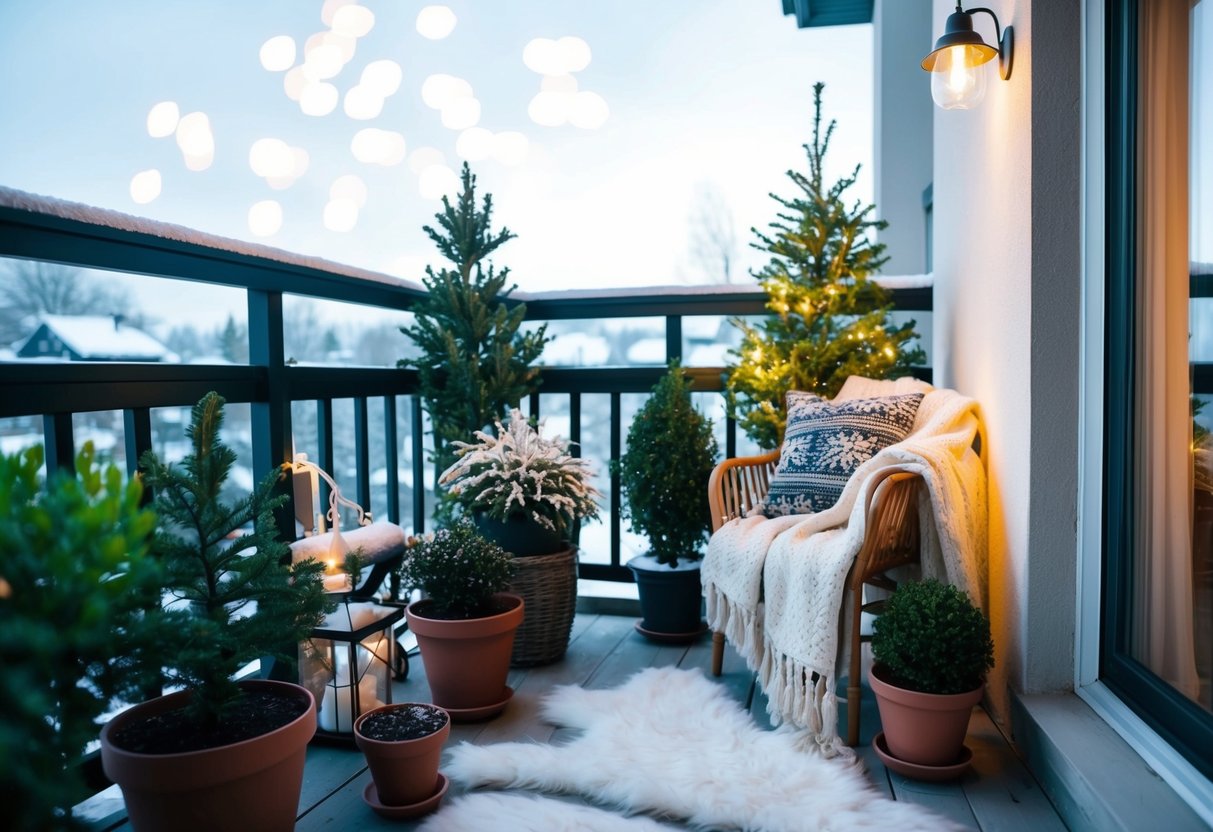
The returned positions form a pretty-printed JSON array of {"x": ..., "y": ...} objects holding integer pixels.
[
  {"x": 932, "y": 639},
  {"x": 664, "y": 473}
]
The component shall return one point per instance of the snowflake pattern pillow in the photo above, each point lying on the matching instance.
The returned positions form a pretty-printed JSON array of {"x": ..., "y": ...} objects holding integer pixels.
[{"x": 826, "y": 441}]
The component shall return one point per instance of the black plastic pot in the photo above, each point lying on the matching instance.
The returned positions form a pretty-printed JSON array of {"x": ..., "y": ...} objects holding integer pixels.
[
  {"x": 670, "y": 600},
  {"x": 520, "y": 536}
]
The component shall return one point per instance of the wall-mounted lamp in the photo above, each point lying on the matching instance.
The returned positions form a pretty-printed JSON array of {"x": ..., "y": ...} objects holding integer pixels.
[{"x": 958, "y": 79}]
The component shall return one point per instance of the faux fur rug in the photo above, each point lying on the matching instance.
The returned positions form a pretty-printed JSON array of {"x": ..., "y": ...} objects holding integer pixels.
[
  {"x": 517, "y": 813},
  {"x": 672, "y": 743}
]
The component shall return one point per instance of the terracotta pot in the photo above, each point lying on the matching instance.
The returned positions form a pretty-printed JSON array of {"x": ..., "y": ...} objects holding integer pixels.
[
  {"x": 520, "y": 535},
  {"x": 248, "y": 785},
  {"x": 926, "y": 729},
  {"x": 405, "y": 771},
  {"x": 670, "y": 598},
  {"x": 467, "y": 660}
]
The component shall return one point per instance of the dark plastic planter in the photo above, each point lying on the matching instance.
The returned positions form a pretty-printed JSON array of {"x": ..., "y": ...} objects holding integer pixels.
[{"x": 670, "y": 599}]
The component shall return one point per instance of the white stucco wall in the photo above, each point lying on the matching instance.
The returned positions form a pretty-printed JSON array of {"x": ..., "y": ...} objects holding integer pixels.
[
  {"x": 1006, "y": 250},
  {"x": 902, "y": 125}
]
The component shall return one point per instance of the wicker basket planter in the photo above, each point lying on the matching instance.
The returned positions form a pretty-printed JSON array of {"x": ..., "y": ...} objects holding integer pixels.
[{"x": 548, "y": 585}]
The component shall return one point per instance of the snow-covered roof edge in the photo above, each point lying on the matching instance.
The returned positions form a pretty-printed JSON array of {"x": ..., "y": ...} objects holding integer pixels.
[{"x": 108, "y": 218}]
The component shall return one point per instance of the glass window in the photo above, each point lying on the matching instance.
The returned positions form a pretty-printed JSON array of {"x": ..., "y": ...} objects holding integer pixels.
[{"x": 1158, "y": 607}]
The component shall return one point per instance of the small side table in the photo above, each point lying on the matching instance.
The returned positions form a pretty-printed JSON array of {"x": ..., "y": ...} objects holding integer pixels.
[{"x": 347, "y": 664}]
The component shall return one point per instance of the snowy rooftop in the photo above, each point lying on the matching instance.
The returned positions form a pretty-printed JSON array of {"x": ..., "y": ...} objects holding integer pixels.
[{"x": 102, "y": 336}]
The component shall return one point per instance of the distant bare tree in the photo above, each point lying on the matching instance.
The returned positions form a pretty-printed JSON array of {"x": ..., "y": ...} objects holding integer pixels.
[
  {"x": 29, "y": 289},
  {"x": 713, "y": 236}
]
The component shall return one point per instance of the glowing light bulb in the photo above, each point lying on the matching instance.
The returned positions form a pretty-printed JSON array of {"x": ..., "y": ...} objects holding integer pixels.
[{"x": 959, "y": 79}]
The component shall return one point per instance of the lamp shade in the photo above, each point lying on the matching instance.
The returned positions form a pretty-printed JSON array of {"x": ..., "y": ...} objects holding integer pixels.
[{"x": 958, "y": 81}]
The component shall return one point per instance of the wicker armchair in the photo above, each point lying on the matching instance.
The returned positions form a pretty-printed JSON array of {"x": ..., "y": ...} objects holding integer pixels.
[{"x": 737, "y": 485}]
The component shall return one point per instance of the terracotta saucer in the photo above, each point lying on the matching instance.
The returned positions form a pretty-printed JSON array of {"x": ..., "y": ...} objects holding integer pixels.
[
  {"x": 410, "y": 810},
  {"x": 921, "y": 772},
  {"x": 672, "y": 638},
  {"x": 484, "y": 711}
]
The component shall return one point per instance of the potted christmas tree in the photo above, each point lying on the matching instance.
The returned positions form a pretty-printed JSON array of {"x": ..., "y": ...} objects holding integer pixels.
[
  {"x": 474, "y": 363},
  {"x": 78, "y": 599},
  {"x": 465, "y": 624},
  {"x": 671, "y": 451},
  {"x": 829, "y": 319},
  {"x": 219, "y": 754},
  {"x": 931, "y": 648}
]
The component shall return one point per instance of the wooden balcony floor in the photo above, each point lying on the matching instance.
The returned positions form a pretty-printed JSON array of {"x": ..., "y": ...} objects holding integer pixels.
[{"x": 999, "y": 792}]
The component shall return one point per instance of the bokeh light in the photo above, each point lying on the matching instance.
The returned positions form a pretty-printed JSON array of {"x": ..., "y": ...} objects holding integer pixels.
[
  {"x": 318, "y": 98},
  {"x": 373, "y": 146},
  {"x": 550, "y": 109},
  {"x": 353, "y": 20},
  {"x": 424, "y": 157},
  {"x": 323, "y": 62},
  {"x": 330, "y": 8},
  {"x": 588, "y": 111},
  {"x": 474, "y": 144},
  {"x": 461, "y": 113},
  {"x": 162, "y": 119},
  {"x": 194, "y": 136},
  {"x": 437, "y": 91},
  {"x": 341, "y": 215},
  {"x": 383, "y": 77},
  {"x": 145, "y": 186},
  {"x": 559, "y": 83},
  {"x": 349, "y": 186},
  {"x": 435, "y": 22},
  {"x": 271, "y": 157},
  {"x": 573, "y": 53},
  {"x": 362, "y": 103},
  {"x": 437, "y": 181},
  {"x": 265, "y": 217},
  {"x": 542, "y": 56},
  {"x": 294, "y": 82},
  {"x": 200, "y": 161},
  {"x": 278, "y": 53}
]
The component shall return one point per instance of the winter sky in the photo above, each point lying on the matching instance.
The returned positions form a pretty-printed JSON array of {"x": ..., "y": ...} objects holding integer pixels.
[{"x": 688, "y": 97}]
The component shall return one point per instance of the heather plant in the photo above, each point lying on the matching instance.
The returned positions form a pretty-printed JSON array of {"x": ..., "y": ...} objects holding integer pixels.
[
  {"x": 520, "y": 472},
  {"x": 79, "y": 597},
  {"x": 242, "y": 599},
  {"x": 932, "y": 639},
  {"x": 458, "y": 569}
]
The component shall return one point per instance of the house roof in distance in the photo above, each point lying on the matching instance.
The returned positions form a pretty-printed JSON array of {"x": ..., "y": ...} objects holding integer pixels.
[
  {"x": 100, "y": 337},
  {"x": 829, "y": 12}
]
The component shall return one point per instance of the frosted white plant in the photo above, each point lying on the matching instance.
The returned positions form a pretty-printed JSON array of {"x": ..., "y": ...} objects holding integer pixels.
[{"x": 518, "y": 471}]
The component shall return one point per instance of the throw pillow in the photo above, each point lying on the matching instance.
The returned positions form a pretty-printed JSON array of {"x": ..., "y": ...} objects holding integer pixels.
[{"x": 826, "y": 441}]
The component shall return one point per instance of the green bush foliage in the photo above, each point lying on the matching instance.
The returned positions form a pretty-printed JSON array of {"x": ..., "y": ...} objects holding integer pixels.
[
  {"x": 474, "y": 363},
  {"x": 79, "y": 593},
  {"x": 242, "y": 599},
  {"x": 458, "y": 569},
  {"x": 671, "y": 451},
  {"x": 932, "y": 639},
  {"x": 829, "y": 320}
]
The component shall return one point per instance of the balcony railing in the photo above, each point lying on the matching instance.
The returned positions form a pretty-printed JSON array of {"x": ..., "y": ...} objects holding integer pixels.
[{"x": 279, "y": 393}]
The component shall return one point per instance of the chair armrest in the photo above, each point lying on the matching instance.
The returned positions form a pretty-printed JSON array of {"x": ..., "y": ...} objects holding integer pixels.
[{"x": 739, "y": 484}]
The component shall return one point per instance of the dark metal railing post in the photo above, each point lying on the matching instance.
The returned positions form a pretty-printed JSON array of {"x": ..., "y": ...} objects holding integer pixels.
[
  {"x": 418, "y": 466},
  {"x": 392, "y": 459},
  {"x": 673, "y": 337},
  {"x": 362, "y": 452},
  {"x": 59, "y": 442},
  {"x": 616, "y": 483},
  {"x": 271, "y": 414}
]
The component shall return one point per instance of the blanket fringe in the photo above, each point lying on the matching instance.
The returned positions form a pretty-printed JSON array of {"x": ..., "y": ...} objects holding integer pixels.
[{"x": 796, "y": 693}]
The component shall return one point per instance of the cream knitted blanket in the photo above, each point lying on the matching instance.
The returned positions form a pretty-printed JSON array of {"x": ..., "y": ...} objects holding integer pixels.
[{"x": 775, "y": 586}]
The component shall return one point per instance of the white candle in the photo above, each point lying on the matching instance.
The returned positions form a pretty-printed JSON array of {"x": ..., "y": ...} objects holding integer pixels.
[{"x": 334, "y": 713}]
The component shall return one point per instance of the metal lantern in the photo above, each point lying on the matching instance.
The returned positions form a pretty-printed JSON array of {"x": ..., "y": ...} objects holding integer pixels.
[{"x": 347, "y": 665}]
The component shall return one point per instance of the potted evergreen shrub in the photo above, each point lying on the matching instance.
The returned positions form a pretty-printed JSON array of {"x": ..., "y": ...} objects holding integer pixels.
[
  {"x": 219, "y": 754},
  {"x": 465, "y": 625},
  {"x": 671, "y": 451},
  {"x": 473, "y": 361},
  {"x": 526, "y": 492},
  {"x": 403, "y": 746},
  {"x": 79, "y": 593},
  {"x": 932, "y": 649}
]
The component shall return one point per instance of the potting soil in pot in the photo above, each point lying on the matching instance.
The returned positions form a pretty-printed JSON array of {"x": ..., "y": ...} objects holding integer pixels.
[
  {"x": 172, "y": 732},
  {"x": 409, "y": 723}
]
